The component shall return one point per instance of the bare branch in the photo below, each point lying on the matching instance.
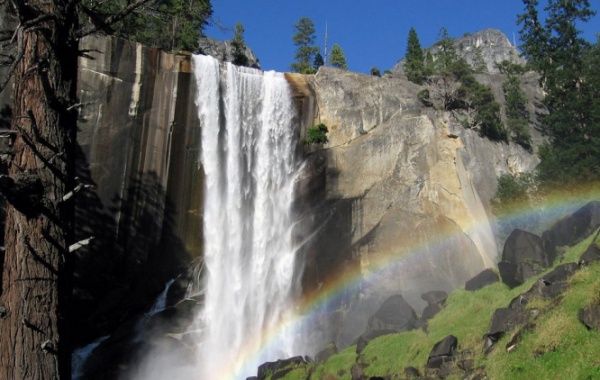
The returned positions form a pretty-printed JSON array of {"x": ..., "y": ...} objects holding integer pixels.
[{"x": 81, "y": 243}]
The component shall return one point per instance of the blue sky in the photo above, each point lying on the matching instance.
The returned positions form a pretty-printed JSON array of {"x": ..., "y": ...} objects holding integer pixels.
[{"x": 370, "y": 32}]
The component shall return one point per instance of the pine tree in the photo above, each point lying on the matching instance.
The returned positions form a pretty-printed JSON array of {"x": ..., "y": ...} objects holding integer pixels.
[
  {"x": 318, "y": 61},
  {"x": 517, "y": 116},
  {"x": 304, "y": 39},
  {"x": 414, "y": 66},
  {"x": 337, "y": 58},
  {"x": 556, "y": 50},
  {"x": 239, "y": 46}
]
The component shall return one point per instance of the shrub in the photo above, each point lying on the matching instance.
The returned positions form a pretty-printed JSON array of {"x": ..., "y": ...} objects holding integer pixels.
[{"x": 317, "y": 134}]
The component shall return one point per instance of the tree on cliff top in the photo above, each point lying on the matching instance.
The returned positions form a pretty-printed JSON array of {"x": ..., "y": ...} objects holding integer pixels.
[
  {"x": 414, "y": 67},
  {"x": 337, "y": 58},
  {"x": 304, "y": 39},
  {"x": 239, "y": 46}
]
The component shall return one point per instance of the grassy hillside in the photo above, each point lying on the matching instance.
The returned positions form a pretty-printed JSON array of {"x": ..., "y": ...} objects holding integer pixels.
[{"x": 556, "y": 345}]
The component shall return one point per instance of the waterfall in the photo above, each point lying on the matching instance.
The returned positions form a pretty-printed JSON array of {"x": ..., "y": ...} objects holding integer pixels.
[{"x": 248, "y": 122}]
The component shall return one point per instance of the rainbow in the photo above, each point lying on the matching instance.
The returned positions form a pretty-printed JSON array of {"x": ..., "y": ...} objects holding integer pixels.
[{"x": 545, "y": 209}]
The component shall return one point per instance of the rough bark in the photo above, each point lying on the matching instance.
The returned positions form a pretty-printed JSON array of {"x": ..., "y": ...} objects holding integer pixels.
[{"x": 35, "y": 279}]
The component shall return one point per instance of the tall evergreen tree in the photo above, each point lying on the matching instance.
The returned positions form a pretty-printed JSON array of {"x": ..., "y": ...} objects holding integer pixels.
[
  {"x": 318, "y": 61},
  {"x": 414, "y": 67},
  {"x": 337, "y": 57},
  {"x": 556, "y": 50},
  {"x": 239, "y": 46},
  {"x": 304, "y": 39},
  {"x": 517, "y": 116}
]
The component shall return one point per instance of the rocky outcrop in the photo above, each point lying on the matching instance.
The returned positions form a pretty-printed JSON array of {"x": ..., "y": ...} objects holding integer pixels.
[
  {"x": 400, "y": 186},
  {"x": 490, "y": 44},
  {"x": 483, "y": 279},
  {"x": 223, "y": 51}
]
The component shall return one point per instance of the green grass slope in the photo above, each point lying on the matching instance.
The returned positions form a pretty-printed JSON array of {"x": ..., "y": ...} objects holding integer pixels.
[{"x": 556, "y": 345}]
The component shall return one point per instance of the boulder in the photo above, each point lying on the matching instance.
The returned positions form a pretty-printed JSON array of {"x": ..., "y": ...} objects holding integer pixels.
[
  {"x": 504, "y": 320},
  {"x": 592, "y": 253},
  {"x": 483, "y": 279},
  {"x": 394, "y": 314},
  {"x": 435, "y": 297},
  {"x": 430, "y": 311},
  {"x": 411, "y": 373},
  {"x": 442, "y": 352},
  {"x": 590, "y": 317},
  {"x": 560, "y": 274},
  {"x": 514, "y": 275},
  {"x": 573, "y": 228},
  {"x": 523, "y": 257},
  {"x": 523, "y": 247},
  {"x": 279, "y": 366},
  {"x": 326, "y": 353},
  {"x": 549, "y": 286}
]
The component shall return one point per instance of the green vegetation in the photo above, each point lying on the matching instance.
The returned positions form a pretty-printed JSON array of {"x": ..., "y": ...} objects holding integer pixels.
[
  {"x": 375, "y": 72},
  {"x": 318, "y": 61},
  {"x": 568, "y": 66},
  {"x": 304, "y": 39},
  {"x": 451, "y": 86},
  {"x": 513, "y": 192},
  {"x": 414, "y": 67},
  {"x": 517, "y": 116},
  {"x": 558, "y": 346},
  {"x": 317, "y": 134},
  {"x": 170, "y": 25},
  {"x": 338, "y": 366},
  {"x": 239, "y": 46},
  {"x": 337, "y": 58}
]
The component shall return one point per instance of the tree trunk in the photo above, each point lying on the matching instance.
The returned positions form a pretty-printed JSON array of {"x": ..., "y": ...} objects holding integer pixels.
[{"x": 36, "y": 274}]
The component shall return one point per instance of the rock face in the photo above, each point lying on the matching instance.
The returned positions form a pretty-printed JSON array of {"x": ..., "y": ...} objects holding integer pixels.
[
  {"x": 138, "y": 142},
  {"x": 492, "y": 44},
  {"x": 400, "y": 186}
]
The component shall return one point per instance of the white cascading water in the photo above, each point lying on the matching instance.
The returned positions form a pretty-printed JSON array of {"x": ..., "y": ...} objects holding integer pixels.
[{"x": 248, "y": 155}]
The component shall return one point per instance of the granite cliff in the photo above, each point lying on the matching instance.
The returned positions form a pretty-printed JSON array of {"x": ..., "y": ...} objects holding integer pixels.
[{"x": 398, "y": 186}]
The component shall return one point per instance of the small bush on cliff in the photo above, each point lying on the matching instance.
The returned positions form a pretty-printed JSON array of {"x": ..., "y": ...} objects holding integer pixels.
[
  {"x": 513, "y": 191},
  {"x": 317, "y": 134}
]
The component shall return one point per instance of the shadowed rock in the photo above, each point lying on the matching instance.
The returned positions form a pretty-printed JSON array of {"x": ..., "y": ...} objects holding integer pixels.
[
  {"x": 430, "y": 311},
  {"x": 592, "y": 253},
  {"x": 573, "y": 228},
  {"x": 483, "y": 279},
  {"x": 395, "y": 314},
  {"x": 523, "y": 257},
  {"x": 442, "y": 352},
  {"x": 435, "y": 297},
  {"x": 590, "y": 317}
]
